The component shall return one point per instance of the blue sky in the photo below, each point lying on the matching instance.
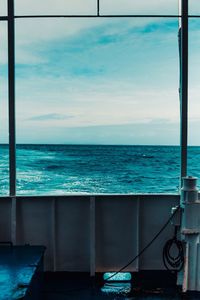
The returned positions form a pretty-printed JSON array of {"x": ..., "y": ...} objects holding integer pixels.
[{"x": 107, "y": 81}]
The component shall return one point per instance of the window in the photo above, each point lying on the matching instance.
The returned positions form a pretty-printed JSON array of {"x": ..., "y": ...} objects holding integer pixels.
[
  {"x": 107, "y": 80},
  {"x": 104, "y": 82}
]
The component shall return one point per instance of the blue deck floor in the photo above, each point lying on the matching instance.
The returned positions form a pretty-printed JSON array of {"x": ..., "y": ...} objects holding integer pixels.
[
  {"x": 20, "y": 267},
  {"x": 21, "y": 278}
]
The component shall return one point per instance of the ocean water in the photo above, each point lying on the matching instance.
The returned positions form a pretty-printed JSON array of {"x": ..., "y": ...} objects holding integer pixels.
[{"x": 83, "y": 169}]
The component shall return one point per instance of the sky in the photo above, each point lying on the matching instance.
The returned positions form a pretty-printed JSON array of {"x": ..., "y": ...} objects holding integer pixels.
[{"x": 99, "y": 81}]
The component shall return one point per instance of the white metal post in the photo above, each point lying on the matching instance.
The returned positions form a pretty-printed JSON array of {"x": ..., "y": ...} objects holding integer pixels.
[{"x": 190, "y": 230}]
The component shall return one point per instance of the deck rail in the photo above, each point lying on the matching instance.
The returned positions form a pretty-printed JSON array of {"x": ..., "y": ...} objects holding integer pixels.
[{"x": 90, "y": 233}]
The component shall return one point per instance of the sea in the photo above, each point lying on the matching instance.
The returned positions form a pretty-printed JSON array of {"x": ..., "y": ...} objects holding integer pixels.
[{"x": 96, "y": 169}]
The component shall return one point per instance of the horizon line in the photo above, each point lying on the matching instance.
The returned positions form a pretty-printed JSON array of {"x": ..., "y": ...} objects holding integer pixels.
[{"x": 96, "y": 144}]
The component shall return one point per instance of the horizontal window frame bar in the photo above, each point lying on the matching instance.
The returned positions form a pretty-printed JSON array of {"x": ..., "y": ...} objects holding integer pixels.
[
  {"x": 3, "y": 18},
  {"x": 194, "y": 16}
]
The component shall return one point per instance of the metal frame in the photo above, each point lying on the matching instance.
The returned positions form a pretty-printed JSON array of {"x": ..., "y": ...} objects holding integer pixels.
[
  {"x": 184, "y": 86},
  {"x": 11, "y": 97},
  {"x": 4, "y": 18},
  {"x": 183, "y": 76}
]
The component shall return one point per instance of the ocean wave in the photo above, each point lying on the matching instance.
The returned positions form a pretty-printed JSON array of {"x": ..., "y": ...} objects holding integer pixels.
[
  {"x": 54, "y": 167},
  {"x": 63, "y": 169}
]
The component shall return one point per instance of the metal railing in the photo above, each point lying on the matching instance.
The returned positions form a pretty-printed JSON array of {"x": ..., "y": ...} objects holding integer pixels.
[{"x": 90, "y": 233}]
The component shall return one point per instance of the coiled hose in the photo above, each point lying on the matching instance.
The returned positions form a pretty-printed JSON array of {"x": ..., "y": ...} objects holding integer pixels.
[{"x": 173, "y": 262}]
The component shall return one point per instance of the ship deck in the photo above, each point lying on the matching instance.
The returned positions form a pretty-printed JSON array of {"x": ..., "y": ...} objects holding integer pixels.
[
  {"x": 88, "y": 235},
  {"x": 144, "y": 285},
  {"x": 20, "y": 271}
]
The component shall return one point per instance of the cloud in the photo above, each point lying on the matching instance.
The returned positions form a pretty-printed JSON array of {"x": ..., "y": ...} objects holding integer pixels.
[
  {"x": 101, "y": 73},
  {"x": 50, "y": 117},
  {"x": 46, "y": 33},
  {"x": 141, "y": 133},
  {"x": 78, "y": 35},
  {"x": 107, "y": 73},
  {"x": 95, "y": 102},
  {"x": 107, "y": 50}
]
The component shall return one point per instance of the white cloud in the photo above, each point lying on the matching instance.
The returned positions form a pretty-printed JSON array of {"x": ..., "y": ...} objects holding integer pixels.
[
  {"x": 93, "y": 103},
  {"x": 31, "y": 34},
  {"x": 164, "y": 133},
  {"x": 108, "y": 101},
  {"x": 30, "y": 48}
]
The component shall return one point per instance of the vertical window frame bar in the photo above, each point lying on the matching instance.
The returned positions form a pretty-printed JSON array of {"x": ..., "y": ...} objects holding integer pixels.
[
  {"x": 184, "y": 87},
  {"x": 98, "y": 8},
  {"x": 11, "y": 97}
]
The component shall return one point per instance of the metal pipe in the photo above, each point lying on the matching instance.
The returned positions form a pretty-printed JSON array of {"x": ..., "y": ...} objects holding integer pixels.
[
  {"x": 184, "y": 87},
  {"x": 11, "y": 97}
]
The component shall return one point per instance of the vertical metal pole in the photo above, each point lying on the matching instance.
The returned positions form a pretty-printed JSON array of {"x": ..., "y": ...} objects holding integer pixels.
[
  {"x": 92, "y": 237},
  {"x": 14, "y": 221},
  {"x": 138, "y": 233},
  {"x": 54, "y": 240},
  {"x": 184, "y": 86},
  {"x": 11, "y": 96}
]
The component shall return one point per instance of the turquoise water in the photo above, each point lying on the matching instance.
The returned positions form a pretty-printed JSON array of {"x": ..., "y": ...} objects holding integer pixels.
[{"x": 82, "y": 169}]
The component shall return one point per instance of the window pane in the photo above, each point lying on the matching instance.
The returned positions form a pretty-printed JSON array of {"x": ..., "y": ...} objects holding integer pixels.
[
  {"x": 3, "y": 7},
  {"x": 101, "y": 82},
  {"x": 3, "y": 111},
  {"x": 46, "y": 7},
  {"x": 139, "y": 7},
  {"x": 194, "y": 90},
  {"x": 194, "y": 7}
]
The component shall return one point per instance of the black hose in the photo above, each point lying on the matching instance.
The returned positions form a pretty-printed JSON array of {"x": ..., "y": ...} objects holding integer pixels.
[
  {"x": 173, "y": 262},
  {"x": 148, "y": 245}
]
